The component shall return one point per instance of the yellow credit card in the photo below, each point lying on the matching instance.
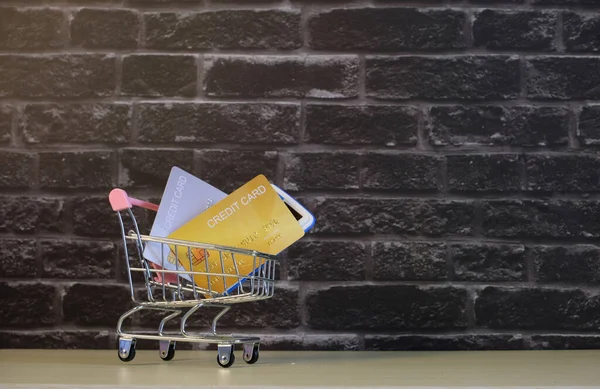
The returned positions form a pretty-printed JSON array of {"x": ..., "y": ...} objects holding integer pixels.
[{"x": 253, "y": 217}]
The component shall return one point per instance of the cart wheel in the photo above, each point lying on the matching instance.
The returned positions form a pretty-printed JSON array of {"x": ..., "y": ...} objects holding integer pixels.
[
  {"x": 126, "y": 350},
  {"x": 251, "y": 353},
  {"x": 167, "y": 350},
  {"x": 225, "y": 358}
]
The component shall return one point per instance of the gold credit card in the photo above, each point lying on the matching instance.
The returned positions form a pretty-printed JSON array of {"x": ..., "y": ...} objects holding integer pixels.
[{"x": 253, "y": 217}]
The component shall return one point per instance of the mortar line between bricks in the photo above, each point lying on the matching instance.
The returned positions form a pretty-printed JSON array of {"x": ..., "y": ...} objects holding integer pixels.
[
  {"x": 468, "y": 29},
  {"x": 281, "y": 4},
  {"x": 293, "y": 332},
  {"x": 371, "y": 195},
  {"x": 200, "y": 76},
  {"x": 15, "y": 141},
  {"x": 573, "y": 129},
  {"x": 39, "y": 261},
  {"x": 118, "y": 75},
  {"x": 296, "y": 101},
  {"x": 465, "y": 240},
  {"x": 450, "y": 263},
  {"x": 522, "y": 77},
  {"x": 312, "y": 285},
  {"x": 295, "y": 54},
  {"x": 305, "y": 148}
]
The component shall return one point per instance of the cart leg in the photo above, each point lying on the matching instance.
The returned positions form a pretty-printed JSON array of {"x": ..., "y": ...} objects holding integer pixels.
[
  {"x": 125, "y": 316},
  {"x": 186, "y": 317},
  {"x": 216, "y": 319},
  {"x": 164, "y": 321},
  {"x": 251, "y": 352},
  {"x": 225, "y": 357}
]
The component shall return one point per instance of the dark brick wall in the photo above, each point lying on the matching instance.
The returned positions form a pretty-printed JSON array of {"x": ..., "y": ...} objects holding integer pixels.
[{"x": 449, "y": 150}]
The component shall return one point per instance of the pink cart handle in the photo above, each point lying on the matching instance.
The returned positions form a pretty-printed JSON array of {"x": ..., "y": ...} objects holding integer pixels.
[{"x": 120, "y": 201}]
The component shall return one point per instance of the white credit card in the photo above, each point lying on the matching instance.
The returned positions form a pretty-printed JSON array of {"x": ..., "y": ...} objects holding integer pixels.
[{"x": 184, "y": 198}]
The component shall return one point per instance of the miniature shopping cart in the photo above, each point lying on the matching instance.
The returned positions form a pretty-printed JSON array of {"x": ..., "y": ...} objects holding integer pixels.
[{"x": 175, "y": 293}]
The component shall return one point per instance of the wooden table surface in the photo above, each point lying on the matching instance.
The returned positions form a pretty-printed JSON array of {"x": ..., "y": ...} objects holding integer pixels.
[{"x": 78, "y": 368}]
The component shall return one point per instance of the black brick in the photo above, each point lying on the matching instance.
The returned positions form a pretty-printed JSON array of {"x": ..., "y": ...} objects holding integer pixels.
[
  {"x": 565, "y": 342},
  {"x": 159, "y": 75},
  {"x": 32, "y": 28},
  {"x": 16, "y": 169},
  {"x": 589, "y": 125},
  {"x": 413, "y": 217},
  {"x": 488, "y": 125},
  {"x": 76, "y": 123},
  {"x": 93, "y": 216},
  {"x": 327, "y": 261},
  {"x": 461, "y": 77},
  {"x": 443, "y": 342},
  {"x": 389, "y": 307},
  {"x": 91, "y": 340},
  {"x": 247, "y": 123},
  {"x": 368, "y": 125},
  {"x": 88, "y": 169},
  {"x": 78, "y": 259},
  {"x": 151, "y": 167},
  {"x": 496, "y": 1},
  {"x": 573, "y": 264},
  {"x": 263, "y": 76},
  {"x": 489, "y": 262},
  {"x": 562, "y": 78},
  {"x": 517, "y": 30},
  {"x": 567, "y": 173},
  {"x": 484, "y": 173},
  {"x": 337, "y": 170},
  {"x": 581, "y": 32},
  {"x": 387, "y": 29},
  {"x": 539, "y": 218},
  {"x": 409, "y": 261},
  {"x": 566, "y": 2},
  {"x": 29, "y": 215},
  {"x": 540, "y": 309},
  {"x": 400, "y": 172},
  {"x": 95, "y": 305},
  {"x": 17, "y": 258},
  {"x": 6, "y": 116},
  {"x": 105, "y": 28},
  {"x": 57, "y": 75},
  {"x": 228, "y": 29},
  {"x": 280, "y": 311},
  {"x": 227, "y": 170},
  {"x": 27, "y": 305}
]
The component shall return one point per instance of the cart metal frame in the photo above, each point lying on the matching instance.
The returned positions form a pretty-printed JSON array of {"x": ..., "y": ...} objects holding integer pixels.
[{"x": 171, "y": 292}]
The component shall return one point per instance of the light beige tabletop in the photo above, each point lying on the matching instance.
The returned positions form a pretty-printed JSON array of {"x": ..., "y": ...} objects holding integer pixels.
[{"x": 76, "y": 368}]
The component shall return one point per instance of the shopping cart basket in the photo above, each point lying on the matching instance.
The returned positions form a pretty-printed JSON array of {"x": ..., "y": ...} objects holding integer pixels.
[{"x": 175, "y": 294}]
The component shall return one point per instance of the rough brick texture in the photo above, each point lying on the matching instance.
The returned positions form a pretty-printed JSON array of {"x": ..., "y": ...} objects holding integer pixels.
[{"x": 448, "y": 149}]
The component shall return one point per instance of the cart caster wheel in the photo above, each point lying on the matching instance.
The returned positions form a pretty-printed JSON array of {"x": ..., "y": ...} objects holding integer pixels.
[
  {"x": 126, "y": 350},
  {"x": 167, "y": 350},
  {"x": 251, "y": 353},
  {"x": 225, "y": 358}
]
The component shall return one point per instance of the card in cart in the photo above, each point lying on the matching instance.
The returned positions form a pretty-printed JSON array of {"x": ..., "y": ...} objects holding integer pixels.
[
  {"x": 253, "y": 217},
  {"x": 185, "y": 197}
]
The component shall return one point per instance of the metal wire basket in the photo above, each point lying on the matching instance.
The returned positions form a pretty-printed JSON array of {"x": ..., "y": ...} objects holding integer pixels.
[{"x": 175, "y": 292}]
